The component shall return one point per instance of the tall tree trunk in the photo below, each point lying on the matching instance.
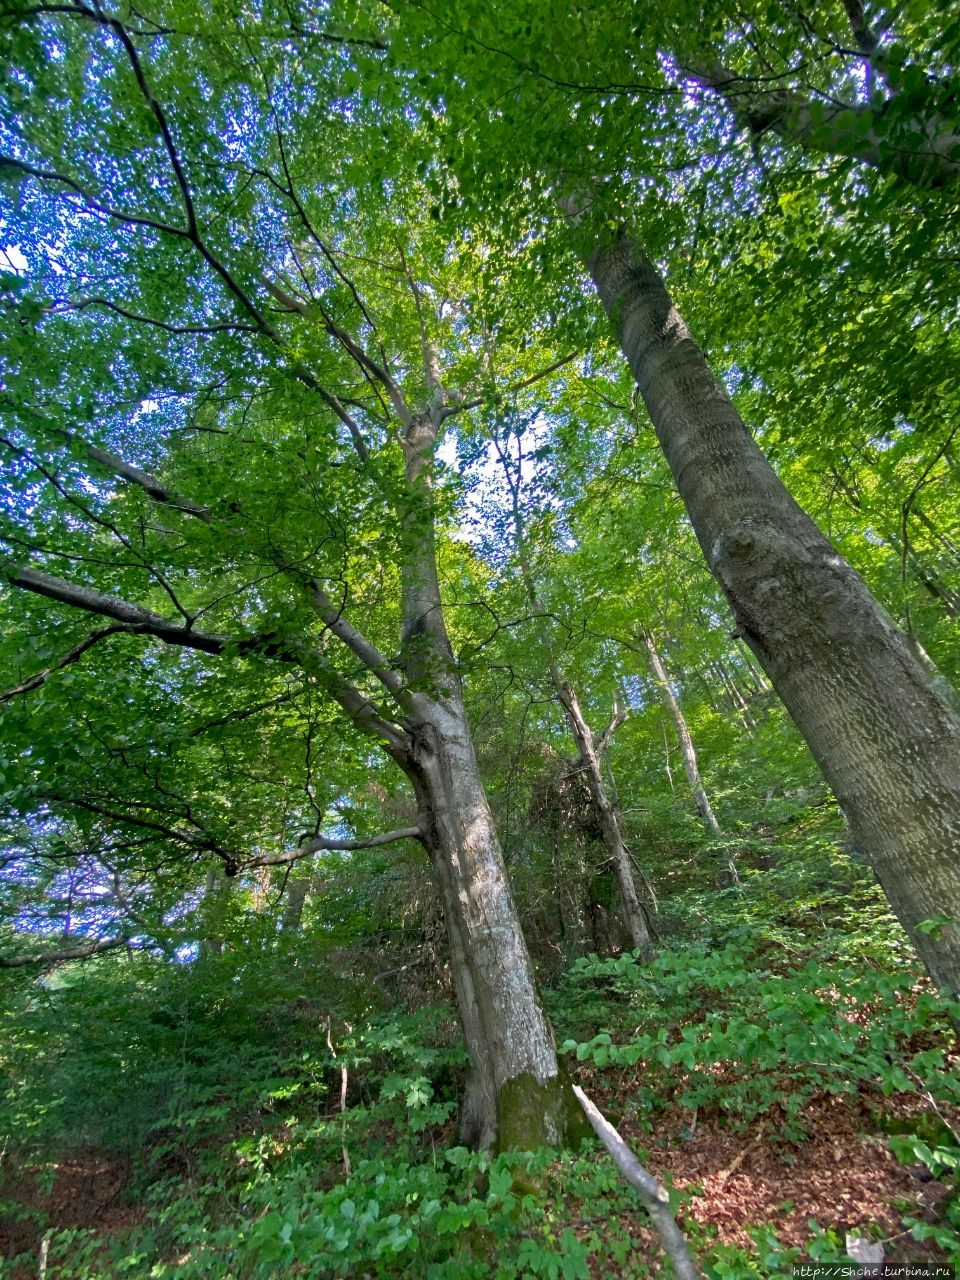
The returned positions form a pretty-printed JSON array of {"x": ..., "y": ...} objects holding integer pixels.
[
  {"x": 886, "y": 740},
  {"x": 609, "y": 820},
  {"x": 688, "y": 752},
  {"x": 607, "y": 808},
  {"x": 517, "y": 1095},
  {"x": 213, "y": 912},
  {"x": 298, "y": 887}
]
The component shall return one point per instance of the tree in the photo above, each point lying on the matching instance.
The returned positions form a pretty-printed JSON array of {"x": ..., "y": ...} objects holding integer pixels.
[
  {"x": 688, "y": 752},
  {"x": 887, "y": 741},
  {"x": 289, "y": 523},
  {"x": 590, "y": 748}
]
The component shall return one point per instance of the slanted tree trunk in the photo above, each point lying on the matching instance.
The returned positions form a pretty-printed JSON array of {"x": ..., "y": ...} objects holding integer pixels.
[
  {"x": 687, "y": 751},
  {"x": 887, "y": 741},
  {"x": 609, "y": 819}
]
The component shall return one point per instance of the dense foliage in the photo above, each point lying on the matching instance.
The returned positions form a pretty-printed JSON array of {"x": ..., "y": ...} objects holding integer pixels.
[{"x": 297, "y": 337}]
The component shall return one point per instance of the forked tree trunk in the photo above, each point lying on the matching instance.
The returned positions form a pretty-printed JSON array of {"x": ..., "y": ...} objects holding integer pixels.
[
  {"x": 517, "y": 1095},
  {"x": 887, "y": 741},
  {"x": 609, "y": 819}
]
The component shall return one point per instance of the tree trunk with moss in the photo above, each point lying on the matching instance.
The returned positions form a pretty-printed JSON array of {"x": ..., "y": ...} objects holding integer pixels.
[
  {"x": 887, "y": 741},
  {"x": 517, "y": 1094}
]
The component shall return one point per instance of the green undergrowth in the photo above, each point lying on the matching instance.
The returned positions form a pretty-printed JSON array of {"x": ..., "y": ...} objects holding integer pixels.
[{"x": 279, "y": 1124}]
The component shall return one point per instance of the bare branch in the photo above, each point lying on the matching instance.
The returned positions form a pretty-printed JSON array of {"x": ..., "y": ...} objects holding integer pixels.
[
  {"x": 618, "y": 717},
  {"x": 867, "y": 40},
  {"x": 314, "y": 844},
  {"x": 135, "y": 617},
  {"x": 76, "y": 188},
  {"x": 923, "y": 149},
  {"x": 286, "y": 300},
  {"x": 370, "y": 367},
  {"x": 336, "y": 404}
]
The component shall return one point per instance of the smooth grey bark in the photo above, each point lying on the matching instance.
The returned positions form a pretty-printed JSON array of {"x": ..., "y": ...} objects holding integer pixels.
[
  {"x": 887, "y": 741},
  {"x": 517, "y": 1095},
  {"x": 508, "y": 1038},
  {"x": 609, "y": 820},
  {"x": 688, "y": 752}
]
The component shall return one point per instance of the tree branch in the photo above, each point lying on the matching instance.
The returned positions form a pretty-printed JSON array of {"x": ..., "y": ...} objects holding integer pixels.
[
  {"x": 225, "y": 326},
  {"x": 654, "y": 1197},
  {"x": 73, "y": 655},
  {"x": 618, "y": 718},
  {"x": 149, "y": 483},
  {"x": 364, "y": 713},
  {"x": 355, "y": 640},
  {"x": 514, "y": 386},
  {"x": 77, "y": 189},
  {"x": 134, "y": 617},
  {"x": 82, "y": 952},
  {"x": 314, "y": 844},
  {"x": 921, "y": 149}
]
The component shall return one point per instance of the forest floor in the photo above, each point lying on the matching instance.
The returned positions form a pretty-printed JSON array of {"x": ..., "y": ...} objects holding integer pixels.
[
  {"x": 843, "y": 1176},
  {"x": 87, "y": 1191}
]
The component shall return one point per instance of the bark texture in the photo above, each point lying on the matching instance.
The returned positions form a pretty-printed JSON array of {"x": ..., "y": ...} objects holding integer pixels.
[
  {"x": 887, "y": 741},
  {"x": 517, "y": 1095}
]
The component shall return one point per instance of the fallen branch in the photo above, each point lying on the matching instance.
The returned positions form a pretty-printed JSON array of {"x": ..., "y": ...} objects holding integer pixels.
[
  {"x": 653, "y": 1195},
  {"x": 735, "y": 1164}
]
